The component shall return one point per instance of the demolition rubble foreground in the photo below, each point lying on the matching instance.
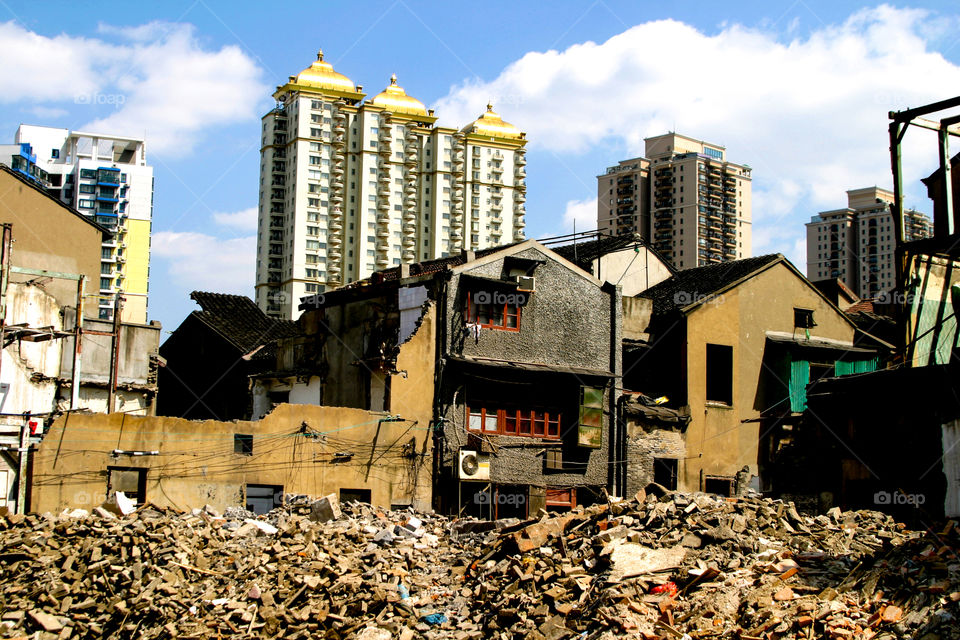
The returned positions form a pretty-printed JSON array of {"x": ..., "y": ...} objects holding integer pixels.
[{"x": 664, "y": 565}]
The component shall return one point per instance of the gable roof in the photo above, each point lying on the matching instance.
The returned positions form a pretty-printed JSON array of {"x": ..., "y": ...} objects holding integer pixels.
[
  {"x": 239, "y": 320},
  {"x": 687, "y": 289},
  {"x": 583, "y": 254}
]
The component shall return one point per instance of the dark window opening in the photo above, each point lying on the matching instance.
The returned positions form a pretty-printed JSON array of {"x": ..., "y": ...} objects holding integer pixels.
[
  {"x": 720, "y": 373},
  {"x": 665, "y": 472},
  {"x": 355, "y": 495},
  {"x": 561, "y": 499},
  {"x": 803, "y": 318},
  {"x": 243, "y": 444},
  {"x": 131, "y": 481},
  {"x": 279, "y": 397},
  {"x": 820, "y": 370},
  {"x": 720, "y": 485},
  {"x": 262, "y": 498}
]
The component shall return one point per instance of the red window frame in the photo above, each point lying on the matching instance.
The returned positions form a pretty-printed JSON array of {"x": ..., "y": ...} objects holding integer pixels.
[
  {"x": 502, "y": 317},
  {"x": 512, "y": 421}
]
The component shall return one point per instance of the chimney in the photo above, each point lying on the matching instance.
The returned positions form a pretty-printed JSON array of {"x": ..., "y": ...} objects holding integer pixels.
[
  {"x": 404, "y": 270},
  {"x": 468, "y": 255}
]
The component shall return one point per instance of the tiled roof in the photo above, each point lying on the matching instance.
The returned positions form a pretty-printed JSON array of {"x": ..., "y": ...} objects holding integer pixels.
[
  {"x": 240, "y": 321},
  {"x": 698, "y": 284},
  {"x": 864, "y": 306},
  {"x": 583, "y": 254}
]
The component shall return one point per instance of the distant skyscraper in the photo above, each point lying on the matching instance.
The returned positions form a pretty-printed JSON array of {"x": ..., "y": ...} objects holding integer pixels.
[
  {"x": 107, "y": 178},
  {"x": 349, "y": 187},
  {"x": 683, "y": 197},
  {"x": 856, "y": 244}
]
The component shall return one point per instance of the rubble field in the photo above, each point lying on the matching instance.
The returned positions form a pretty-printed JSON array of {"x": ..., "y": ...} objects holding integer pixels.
[{"x": 661, "y": 565}]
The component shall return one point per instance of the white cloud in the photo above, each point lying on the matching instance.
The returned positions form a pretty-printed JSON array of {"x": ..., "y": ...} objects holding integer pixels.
[
  {"x": 808, "y": 114},
  {"x": 584, "y": 212},
  {"x": 197, "y": 261},
  {"x": 159, "y": 81},
  {"x": 245, "y": 220},
  {"x": 48, "y": 113}
]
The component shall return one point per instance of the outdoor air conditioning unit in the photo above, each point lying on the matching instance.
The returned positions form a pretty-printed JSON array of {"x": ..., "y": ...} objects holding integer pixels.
[
  {"x": 474, "y": 466},
  {"x": 526, "y": 283}
]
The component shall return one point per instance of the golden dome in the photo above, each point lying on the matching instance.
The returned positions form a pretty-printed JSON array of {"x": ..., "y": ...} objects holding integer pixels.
[
  {"x": 491, "y": 124},
  {"x": 395, "y": 99},
  {"x": 321, "y": 75}
]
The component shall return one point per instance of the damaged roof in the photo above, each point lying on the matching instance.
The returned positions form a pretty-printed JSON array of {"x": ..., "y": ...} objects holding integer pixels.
[
  {"x": 240, "y": 321},
  {"x": 693, "y": 286}
]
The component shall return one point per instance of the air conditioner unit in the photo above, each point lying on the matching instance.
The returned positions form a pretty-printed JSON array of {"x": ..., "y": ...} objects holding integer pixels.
[
  {"x": 526, "y": 283},
  {"x": 474, "y": 467}
]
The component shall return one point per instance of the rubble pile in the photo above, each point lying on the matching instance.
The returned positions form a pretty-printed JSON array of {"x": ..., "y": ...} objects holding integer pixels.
[
  {"x": 698, "y": 566},
  {"x": 313, "y": 570},
  {"x": 662, "y": 565}
]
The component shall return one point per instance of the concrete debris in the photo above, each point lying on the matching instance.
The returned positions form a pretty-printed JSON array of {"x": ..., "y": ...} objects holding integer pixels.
[{"x": 662, "y": 565}]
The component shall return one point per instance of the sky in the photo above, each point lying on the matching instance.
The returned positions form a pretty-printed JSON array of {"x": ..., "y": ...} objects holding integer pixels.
[{"x": 798, "y": 90}]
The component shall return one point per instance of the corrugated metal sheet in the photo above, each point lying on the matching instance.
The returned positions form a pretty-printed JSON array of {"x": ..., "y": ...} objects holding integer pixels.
[
  {"x": 847, "y": 367},
  {"x": 799, "y": 379}
]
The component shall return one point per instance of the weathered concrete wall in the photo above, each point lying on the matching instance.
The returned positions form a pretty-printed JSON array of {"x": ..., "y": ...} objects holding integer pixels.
[
  {"x": 644, "y": 444},
  {"x": 294, "y": 446},
  {"x": 636, "y": 317},
  {"x": 138, "y": 343},
  {"x": 29, "y": 369},
  {"x": 566, "y": 322},
  {"x": 719, "y": 443}
]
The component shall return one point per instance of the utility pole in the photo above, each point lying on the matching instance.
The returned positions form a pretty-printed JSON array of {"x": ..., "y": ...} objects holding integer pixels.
[
  {"x": 24, "y": 459},
  {"x": 114, "y": 353},
  {"x": 77, "y": 347}
]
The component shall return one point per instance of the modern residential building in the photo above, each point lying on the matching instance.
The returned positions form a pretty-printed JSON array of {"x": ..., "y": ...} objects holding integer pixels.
[
  {"x": 856, "y": 243},
  {"x": 350, "y": 186},
  {"x": 684, "y": 197},
  {"x": 106, "y": 178}
]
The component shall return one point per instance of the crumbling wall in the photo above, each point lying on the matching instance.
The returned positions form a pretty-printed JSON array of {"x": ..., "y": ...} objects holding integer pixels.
[
  {"x": 303, "y": 449},
  {"x": 646, "y": 443}
]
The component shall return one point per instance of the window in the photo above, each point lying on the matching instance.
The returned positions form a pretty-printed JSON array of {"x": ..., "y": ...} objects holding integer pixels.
[
  {"x": 665, "y": 472},
  {"x": 132, "y": 481},
  {"x": 88, "y": 188},
  {"x": 803, "y": 318},
  {"x": 590, "y": 426},
  {"x": 720, "y": 374},
  {"x": 355, "y": 495},
  {"x": 513, "y": 421},
  {"x": 243, "y": 444},
  {"x": 88, "y": 173},
  {"x": 720, "y": 485},
  {"x": 493, "y": 310},
  {"x": 262, "y": 498}
]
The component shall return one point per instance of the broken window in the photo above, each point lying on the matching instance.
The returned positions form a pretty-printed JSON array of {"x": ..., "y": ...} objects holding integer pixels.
[
  {"x": 720, "y": 373},
  {"x": 243, "y": 444},
  {"x": 261, "y": 498},
  {"x": 590, "y": 427},
  {"x": 494, "y": 310},
  {"x": 665, "y": 472},
  {"x": 803, "y": 318},
  {"x": 561, "y": 499},
  {"x": 132, "y": 481}
]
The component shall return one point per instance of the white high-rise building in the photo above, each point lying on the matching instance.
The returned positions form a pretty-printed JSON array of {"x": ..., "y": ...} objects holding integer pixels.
[
  {"x": 856, "y": 244},
  {"x": 350, "y": 186},
  {"x": 107, "y": 178}
]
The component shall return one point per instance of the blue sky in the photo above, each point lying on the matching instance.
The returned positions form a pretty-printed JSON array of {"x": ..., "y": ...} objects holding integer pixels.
[{"x": 798, "y": 90}]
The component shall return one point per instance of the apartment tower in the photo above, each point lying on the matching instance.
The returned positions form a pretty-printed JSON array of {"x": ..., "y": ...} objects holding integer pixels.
[
  {"x": 683, "y": 197},
  {"x": 106, "y": 178},
  {"x": 856, "y": 244},
  {"x": 350, "y": 186}
]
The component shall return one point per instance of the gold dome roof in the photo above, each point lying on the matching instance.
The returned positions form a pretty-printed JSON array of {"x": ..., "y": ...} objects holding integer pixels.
[
  {"x": 491, "y": 124},
  {"x": 395, "y": 99},
  {"x": 321, "y": 75}
]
